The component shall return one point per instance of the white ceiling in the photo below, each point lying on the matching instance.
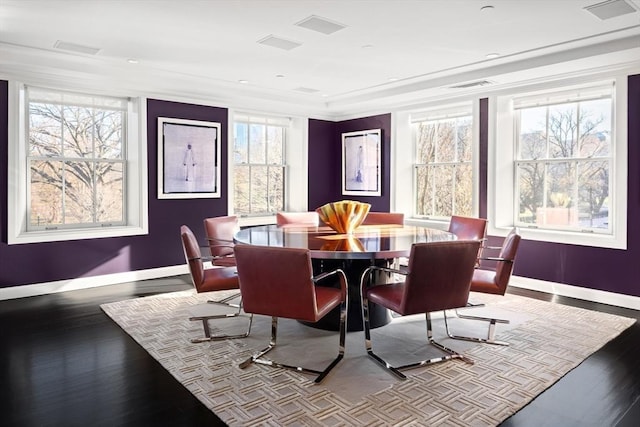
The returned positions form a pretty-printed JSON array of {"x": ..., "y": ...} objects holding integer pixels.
[{"x": 201, "y": 49}]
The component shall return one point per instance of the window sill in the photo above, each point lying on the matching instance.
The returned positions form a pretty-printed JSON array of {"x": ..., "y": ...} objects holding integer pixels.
[
  {"x": 78, "y": 234},
  {"x": 430, "y": 223},
  {"x": 564, "y": 237}
]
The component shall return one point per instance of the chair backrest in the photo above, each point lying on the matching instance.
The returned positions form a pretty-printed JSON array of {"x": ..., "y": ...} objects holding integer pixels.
[
  {"x": 301, "y": 218},
  {"x": 439, "y": 276},
  {"x": 276, "y": 282},
  {"x": 382, "y": 218},
  {"x": 220, "y": 231},
  {"x": 508, "y": 254},
  {"x": 467, "y": 228},
  {"x": 192, "y": 255}
]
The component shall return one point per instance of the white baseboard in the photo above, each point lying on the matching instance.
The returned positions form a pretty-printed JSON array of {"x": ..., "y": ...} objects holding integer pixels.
[
  {"x": 587, "y": 294},
  {"x": 90, "y": 282},
  {"x": 578, "y": 292}
]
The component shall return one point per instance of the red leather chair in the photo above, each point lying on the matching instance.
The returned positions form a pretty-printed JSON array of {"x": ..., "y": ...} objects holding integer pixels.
[
  {"x": 219, "y": 231},
  {"x": 493, "y": 280},
  {"x": 383, "y": 218},
  {"x": 279, "y": 282},
  {"x": 438, "y": 278},
  {"x": 386, "y": 218},
  {"x": 468, "y": 228},
  {"x": 210, "y": 280},
  {"x": 299, "y": 218}
]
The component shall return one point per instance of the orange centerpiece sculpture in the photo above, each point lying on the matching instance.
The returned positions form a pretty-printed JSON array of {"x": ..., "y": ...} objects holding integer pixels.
[{"x": 343, "y": 216}]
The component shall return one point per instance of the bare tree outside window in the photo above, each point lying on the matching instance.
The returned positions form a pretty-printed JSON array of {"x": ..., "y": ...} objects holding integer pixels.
[
  {"x": 259, "y": 166},
  {"x": 75, "y": 160},
  {"x": 563, "y": 166},
  {"x": 443, "y": 169}
]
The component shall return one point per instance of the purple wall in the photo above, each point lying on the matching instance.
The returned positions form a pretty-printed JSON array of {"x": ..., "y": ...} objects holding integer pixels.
[
  {"x": 325, "y": 161},
  {"x": 166, "y": 216},
  {"x": 483, "y": 154},
  {"x": 324, "y": 172},
  {"x": 46, "y": 262},
  {"x": 597, "y": 268}
]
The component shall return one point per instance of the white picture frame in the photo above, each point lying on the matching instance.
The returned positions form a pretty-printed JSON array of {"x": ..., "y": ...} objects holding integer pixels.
[
  {"x": 188, "y": 159},
  {"x": 361, "y": 163}
]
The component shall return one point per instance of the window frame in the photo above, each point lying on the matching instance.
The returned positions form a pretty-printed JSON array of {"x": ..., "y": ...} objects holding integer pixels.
[
  {"x": 135, "y": 190},
  {"x": 403, "y": 171},
  {"x": 502, "y": 190},
  {"x": 438, "y": 164},
  {"x": 295, "y": 166}
]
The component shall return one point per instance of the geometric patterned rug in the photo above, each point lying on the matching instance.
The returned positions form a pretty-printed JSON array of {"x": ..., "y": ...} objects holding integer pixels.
[{"x": 547, "y": 340}]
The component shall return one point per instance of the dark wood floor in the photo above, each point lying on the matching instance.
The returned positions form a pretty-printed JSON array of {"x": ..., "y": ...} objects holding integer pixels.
[{"x": 65, "y": 363}]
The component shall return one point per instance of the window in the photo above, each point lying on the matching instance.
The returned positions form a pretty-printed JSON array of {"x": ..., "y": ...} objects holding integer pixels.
[
  {"x": 75, "y": 160},
  {"x": 443, "y": 164},
  {"x": 560, "y": 171},
  {"x": 563, "y": 161},
  {"x": 259, "y": 165},
  {"x": 74, "y": 154}
]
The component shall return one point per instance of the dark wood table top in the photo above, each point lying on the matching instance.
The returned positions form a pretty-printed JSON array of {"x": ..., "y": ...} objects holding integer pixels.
[{"x": 367, "y": 241}]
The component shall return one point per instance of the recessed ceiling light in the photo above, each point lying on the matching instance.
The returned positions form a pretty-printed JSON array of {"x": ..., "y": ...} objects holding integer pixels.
[
  {"x": 132, "y": 61},
  {"x": 487, "y": 8},
  {"x": 492, "y": 55},
  {"x": 393, "y": 79},
  {"x": 244, "y": 82},
  {"x": 280, "y": 76}
]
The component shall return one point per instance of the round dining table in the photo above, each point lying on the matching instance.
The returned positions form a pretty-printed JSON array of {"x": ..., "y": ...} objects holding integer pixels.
[{"x": 353, "y": 253}]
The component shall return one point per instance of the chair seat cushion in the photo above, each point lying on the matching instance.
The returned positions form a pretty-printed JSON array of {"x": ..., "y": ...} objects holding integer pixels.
[
  {"x": 389, "y": 296},
  {"x": 484, "y": 281},
  {"x": 219, "y": 279}
]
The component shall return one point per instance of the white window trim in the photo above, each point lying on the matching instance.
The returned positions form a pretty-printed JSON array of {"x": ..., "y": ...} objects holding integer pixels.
[
  {"x": 402, "y": 172},
  {"x": 296, "y": 167},
  {"x": 136, "y": 193},
  {"x": 501, "y": 190}
]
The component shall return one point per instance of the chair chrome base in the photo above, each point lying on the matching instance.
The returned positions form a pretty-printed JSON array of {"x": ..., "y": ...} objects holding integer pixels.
[
  {"x": 205, "y": 321},
  {"x": 451, "y": 354},
  {"x": 225, "y": 301},
  {"x": 257, "y": 358},
  {"x": 207, "y": 329},
  {"x": 491, "y": 334}
]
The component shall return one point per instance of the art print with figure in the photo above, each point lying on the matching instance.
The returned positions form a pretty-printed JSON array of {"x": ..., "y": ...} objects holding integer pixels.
[
  {"x": 361, "y": 163},
  {"x": 188, "y": 159}
]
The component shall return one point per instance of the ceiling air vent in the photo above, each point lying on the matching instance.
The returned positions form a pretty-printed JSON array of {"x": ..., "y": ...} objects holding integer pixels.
[
  {"x": 278, "y": 42},
  {"x": 319, "y": 24},
  {"x": 306, "y": 90},
  {"x": 610, "y": 9},
  {"x": 78, "y": 48},
  {"x": 472, "y": 84}
]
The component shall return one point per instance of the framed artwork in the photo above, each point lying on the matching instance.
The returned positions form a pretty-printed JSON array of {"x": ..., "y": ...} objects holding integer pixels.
[
  {"x": 361, "y": 167},
  {"x": 188, "y": 159}
]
